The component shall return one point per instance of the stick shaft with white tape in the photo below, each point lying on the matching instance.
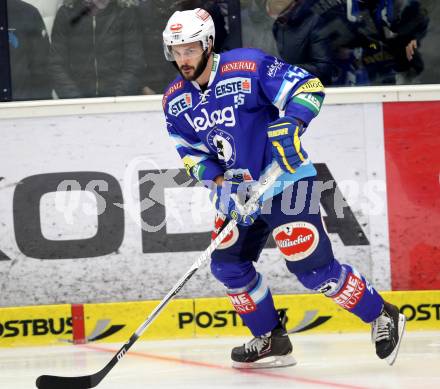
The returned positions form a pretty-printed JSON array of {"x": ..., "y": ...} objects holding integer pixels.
[{"x": 90, "y": 381}]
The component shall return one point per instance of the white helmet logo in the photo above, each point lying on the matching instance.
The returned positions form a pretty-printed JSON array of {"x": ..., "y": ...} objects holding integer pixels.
[{"x": 176, "y": 28}]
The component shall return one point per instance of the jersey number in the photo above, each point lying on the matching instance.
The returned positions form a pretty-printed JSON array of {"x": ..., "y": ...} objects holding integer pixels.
[{"x": 238, "y": 100}]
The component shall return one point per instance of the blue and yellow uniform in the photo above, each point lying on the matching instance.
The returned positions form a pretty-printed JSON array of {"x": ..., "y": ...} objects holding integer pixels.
[{"x": 233, "y": 126}]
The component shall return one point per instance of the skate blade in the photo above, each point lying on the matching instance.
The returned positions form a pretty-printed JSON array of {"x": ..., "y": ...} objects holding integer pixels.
[
  {"x": 278, "y": 361},
  {"x": 392, "y": 357}
]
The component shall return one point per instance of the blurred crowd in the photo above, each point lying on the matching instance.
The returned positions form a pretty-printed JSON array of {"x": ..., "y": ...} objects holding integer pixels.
[{"x": 96, "y": 48}]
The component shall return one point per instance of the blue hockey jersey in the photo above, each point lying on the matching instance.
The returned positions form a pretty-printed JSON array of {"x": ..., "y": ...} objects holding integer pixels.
[{"x": 224, "y": 128}]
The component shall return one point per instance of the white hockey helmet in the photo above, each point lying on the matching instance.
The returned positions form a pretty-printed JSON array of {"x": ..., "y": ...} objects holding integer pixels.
[{"x": 187, "y": 27}]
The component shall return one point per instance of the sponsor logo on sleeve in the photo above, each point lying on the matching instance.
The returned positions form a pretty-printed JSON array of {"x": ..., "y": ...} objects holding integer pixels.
[
  {"x": 274, "y": 67},
  {"x": 233, "y": 86},
  {"x": 237, "y": 66},
  {"x": 180, "y": 104},
  {"x": 296, "y": 240},
  {"x": 313, "y": 85},
  {"x": 173, "y": 88},
  {"x": 309, "y": 101}
]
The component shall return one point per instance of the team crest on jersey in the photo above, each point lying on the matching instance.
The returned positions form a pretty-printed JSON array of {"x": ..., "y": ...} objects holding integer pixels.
[
  {"x": 237, "y": 66},
  {"x": 233, "y": 86},
  {"x": 180, "y": 104},
  {"x": 223, "y": 144},
  {"x": 296, "y": 240}
]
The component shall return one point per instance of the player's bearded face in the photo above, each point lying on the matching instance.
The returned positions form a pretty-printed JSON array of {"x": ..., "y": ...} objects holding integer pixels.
[{"x": 192, "y": 67}]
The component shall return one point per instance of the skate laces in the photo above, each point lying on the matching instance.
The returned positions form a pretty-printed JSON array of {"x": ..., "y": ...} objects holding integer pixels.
[
  {"x": 258, "y": 343},
  {"x": 382, "y": 328}
]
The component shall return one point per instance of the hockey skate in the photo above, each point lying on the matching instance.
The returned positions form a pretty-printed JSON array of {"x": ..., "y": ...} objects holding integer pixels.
[
  {"x": 387, "y": 331},
  {"x": 274, "y": 345}
]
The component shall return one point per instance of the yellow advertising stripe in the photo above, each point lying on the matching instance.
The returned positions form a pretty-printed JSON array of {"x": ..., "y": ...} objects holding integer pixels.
[
  {"x": 317, "y": 313},
  {"x": 116, "y": 322},
  {"x": 186, "y": 318},
  {"x": 36, "y": 325}
]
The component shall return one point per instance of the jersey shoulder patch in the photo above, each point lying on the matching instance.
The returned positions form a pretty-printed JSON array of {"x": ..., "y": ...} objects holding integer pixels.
[
  {"x": 240, "y": 61},
  {"x": 175, "y": 86},
  {"x": 310, "y": 86}
]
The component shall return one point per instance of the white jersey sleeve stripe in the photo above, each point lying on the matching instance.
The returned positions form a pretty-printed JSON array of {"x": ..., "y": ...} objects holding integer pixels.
[
  {"x": 280, "y": 100},
  {"x": 181, "y": 142}
]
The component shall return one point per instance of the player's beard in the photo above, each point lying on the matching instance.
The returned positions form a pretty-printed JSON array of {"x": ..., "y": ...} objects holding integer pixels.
[{"x": 198, "y": 70}]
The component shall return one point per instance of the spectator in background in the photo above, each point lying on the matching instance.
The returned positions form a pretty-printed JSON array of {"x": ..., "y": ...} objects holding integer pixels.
[
  {"x": 96, "y": 49},
  {"x": 372, "y": 40},
  {"x": 29, "y": 52},
  {"x": 256, "y": 26},
  {"x": 287, "y": 29},
  {"x": 153, "y": 17},
  {"x": 216, "y": 14},
  {"x": 393, "y": 30},
  {"x": 297, "y": 34}
]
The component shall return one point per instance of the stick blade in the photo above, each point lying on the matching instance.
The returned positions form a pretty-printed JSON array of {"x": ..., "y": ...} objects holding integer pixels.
[{"x": 55, "y": 382}]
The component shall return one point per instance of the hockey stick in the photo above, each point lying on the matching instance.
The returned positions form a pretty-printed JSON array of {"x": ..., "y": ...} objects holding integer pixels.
[{"x": 90, "y": 381}]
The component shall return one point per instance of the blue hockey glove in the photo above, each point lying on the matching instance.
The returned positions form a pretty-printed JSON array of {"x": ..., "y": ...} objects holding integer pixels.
[
  {"x": 284, "y": 135},
  {"x": 230, "y": 197}
]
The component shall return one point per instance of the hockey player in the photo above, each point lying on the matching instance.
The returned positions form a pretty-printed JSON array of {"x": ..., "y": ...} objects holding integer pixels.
[{"x": 223, "y": 114}]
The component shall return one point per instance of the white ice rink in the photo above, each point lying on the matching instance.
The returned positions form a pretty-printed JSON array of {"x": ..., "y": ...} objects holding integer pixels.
[{"x": 324, "y": 361}]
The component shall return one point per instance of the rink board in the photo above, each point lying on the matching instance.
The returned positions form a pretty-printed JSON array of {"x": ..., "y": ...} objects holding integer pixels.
[
  {"x": 186, "y": 318},
  {"x": 37, "y": 325},
  {"x": 88, "y": 244},
  {"x": 98, "y": 207}
]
